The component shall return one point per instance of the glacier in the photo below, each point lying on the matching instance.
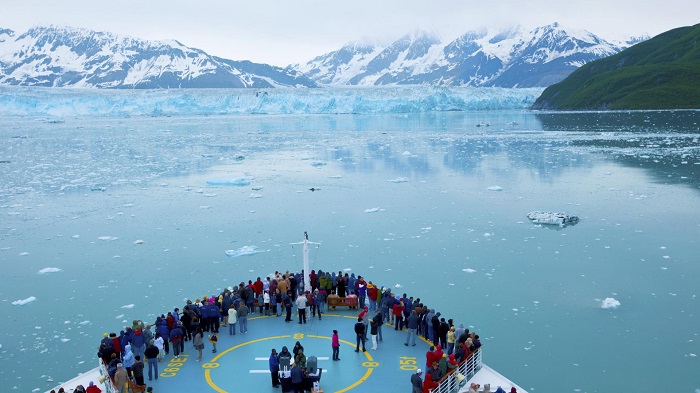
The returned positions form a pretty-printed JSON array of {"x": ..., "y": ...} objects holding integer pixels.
[{"x": 56, "y": 103}]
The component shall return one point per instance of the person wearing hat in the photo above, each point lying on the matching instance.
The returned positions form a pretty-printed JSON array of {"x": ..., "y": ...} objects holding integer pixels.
[
  {"x": 120, "y": 379},
  {"x": 92, "y": 388},
  {"x": 417, "y": 382}
]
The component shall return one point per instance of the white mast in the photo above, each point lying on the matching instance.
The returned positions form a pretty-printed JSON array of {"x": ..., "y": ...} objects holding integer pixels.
[{"x": 305, "y": 243}]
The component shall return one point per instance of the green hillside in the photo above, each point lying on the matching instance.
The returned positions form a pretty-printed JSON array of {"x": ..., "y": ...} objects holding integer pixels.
[{"x": 660, "y": 73}]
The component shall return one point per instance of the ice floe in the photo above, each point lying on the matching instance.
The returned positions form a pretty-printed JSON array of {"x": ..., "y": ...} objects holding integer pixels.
[
  {"x": 245, "y": 250},
  {"x": 400, "y": 180},
  {"x": 374, "y": 210},
  {"x": 548, "y": 218},
  {"x": 49, "y": 270},
  {"x": 495, "y": 188},
  {"x": 610, "y": 302},
  {"x": 469, "y": 270},
  {"x": 254, "y": 196},
  {"x": 128, "y": 306},
  {"x": 236, "y": 181},
  {"x": 107, "y": 238},
  {"x": 139, "y": 241},
  {"x": 24, "y": 301}
]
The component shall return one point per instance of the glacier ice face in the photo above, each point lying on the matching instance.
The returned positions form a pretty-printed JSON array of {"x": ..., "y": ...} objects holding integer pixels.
[{"x": 59, "y": 103}]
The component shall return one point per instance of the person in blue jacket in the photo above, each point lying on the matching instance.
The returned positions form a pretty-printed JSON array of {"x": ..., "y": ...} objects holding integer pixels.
[
  {"x": 275, "y": 368},
  {"x": 165, "y": 333}
]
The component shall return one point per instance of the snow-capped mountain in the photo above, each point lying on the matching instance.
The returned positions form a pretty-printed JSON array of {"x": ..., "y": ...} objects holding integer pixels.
[
  {"x": 506, "y": 58},
  {"x": 71, "y": 57}
]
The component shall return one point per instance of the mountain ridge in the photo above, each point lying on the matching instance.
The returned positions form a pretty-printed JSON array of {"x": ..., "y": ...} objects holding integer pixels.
[
  {"x": 511, "y": 57},
  {"x": 660, "y": 73},
  {"x": 57, "y": 56},
  {"x": 62, "y": 56}
]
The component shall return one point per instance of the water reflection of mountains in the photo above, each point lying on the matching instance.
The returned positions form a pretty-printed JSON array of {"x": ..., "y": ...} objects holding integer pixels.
[{"x": 665, "y": 143}]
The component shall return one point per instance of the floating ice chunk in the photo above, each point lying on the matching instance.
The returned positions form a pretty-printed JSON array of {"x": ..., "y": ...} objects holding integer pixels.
[
  {"x": 107, "y": 238},
  {"x": 666, "y": 257},
  {"x": 236, "y": 181},
  {"x": 398, "y": 286},
  {"x": 253, "y": 195},
  {"x": 119, "y": 316},
  {"x": 610, "y": 303},
  {"x": 318, "y": 163},
  {"x": 65, "y": 340},
  {"x": 400, "y": 180},
  {"x": 245, "y": 250},
  {"x": 23, "y": 254},
  {"x": 495, "y": 188},
  {"x": 335, "y": 177},
  {"x": 469, "y": 270},
  {"x": 76, "y": 236},
  {"x": 374, "y": 210},
  {"x": 209, "y": 195},
  {"x": 139, "y": 241},
  {"x": 49, "y": 270},
  {"x": 561, "y": 219},
  {"x": 24, "y": 301},
  {"x": 488, "y": 234},
  {"x": 406, "y": 153},
  {"x": 347, "y": 269},
  {"x": 257, "y": 188},
  {"x": 82, "y": 323},
  {"x": 128, "y": 306}
]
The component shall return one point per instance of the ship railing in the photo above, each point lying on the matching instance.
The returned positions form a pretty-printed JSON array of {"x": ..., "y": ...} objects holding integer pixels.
[
  {"x": 459, "y": 377},
  {"x": 104, "y": 375}
]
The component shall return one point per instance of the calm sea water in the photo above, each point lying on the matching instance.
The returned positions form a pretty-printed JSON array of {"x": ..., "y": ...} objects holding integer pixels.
[{"x": 429, "y": 204}]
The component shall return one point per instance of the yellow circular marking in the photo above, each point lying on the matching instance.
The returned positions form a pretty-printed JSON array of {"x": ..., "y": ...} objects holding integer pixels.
[
  {"x": 210, "y": 365},
  {"x": 370, "y": 364},
  {"x": 298, "y": 336},
  {"x": 207, "y": 371}
]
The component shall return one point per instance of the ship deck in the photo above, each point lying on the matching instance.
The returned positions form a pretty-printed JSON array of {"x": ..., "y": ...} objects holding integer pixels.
[{"x": 241, "y": 362}]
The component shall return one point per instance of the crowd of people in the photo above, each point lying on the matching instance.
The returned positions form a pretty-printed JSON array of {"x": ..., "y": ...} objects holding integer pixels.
[{"x": 125, "y": 355}]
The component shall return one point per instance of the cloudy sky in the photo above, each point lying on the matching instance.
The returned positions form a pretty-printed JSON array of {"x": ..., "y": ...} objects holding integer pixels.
[{"x": 282, "y": 32}]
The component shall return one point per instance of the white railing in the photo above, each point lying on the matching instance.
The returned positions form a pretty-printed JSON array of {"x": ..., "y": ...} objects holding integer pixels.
[
  {"x": 109, "y": 385},
  {"x": 451, "y": 383}
]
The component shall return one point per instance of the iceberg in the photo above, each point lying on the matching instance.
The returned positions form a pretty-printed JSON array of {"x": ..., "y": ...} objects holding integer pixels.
[
  {"x": 245, "y": 250},
  {"x": 49, "y": 270},
  {"x": 548, "y": 218},
  {"x": 61, "y": 103},
  {"x": 610, "y": 303},
  {"x": 24, "y": 301}
]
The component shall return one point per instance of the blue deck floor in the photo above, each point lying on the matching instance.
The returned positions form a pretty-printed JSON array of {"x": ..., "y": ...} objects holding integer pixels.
[{"x": 241, "y": 363}]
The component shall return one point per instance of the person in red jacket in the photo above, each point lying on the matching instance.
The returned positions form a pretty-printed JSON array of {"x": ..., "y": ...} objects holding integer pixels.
[
  {"x": 92, "y": 388},
  {"x": 398, "y": 314},
  {"x": 429, "y": 384}
]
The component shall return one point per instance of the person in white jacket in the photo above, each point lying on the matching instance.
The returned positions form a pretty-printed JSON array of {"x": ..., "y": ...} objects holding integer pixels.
[{"x": 232, "y": 320}]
